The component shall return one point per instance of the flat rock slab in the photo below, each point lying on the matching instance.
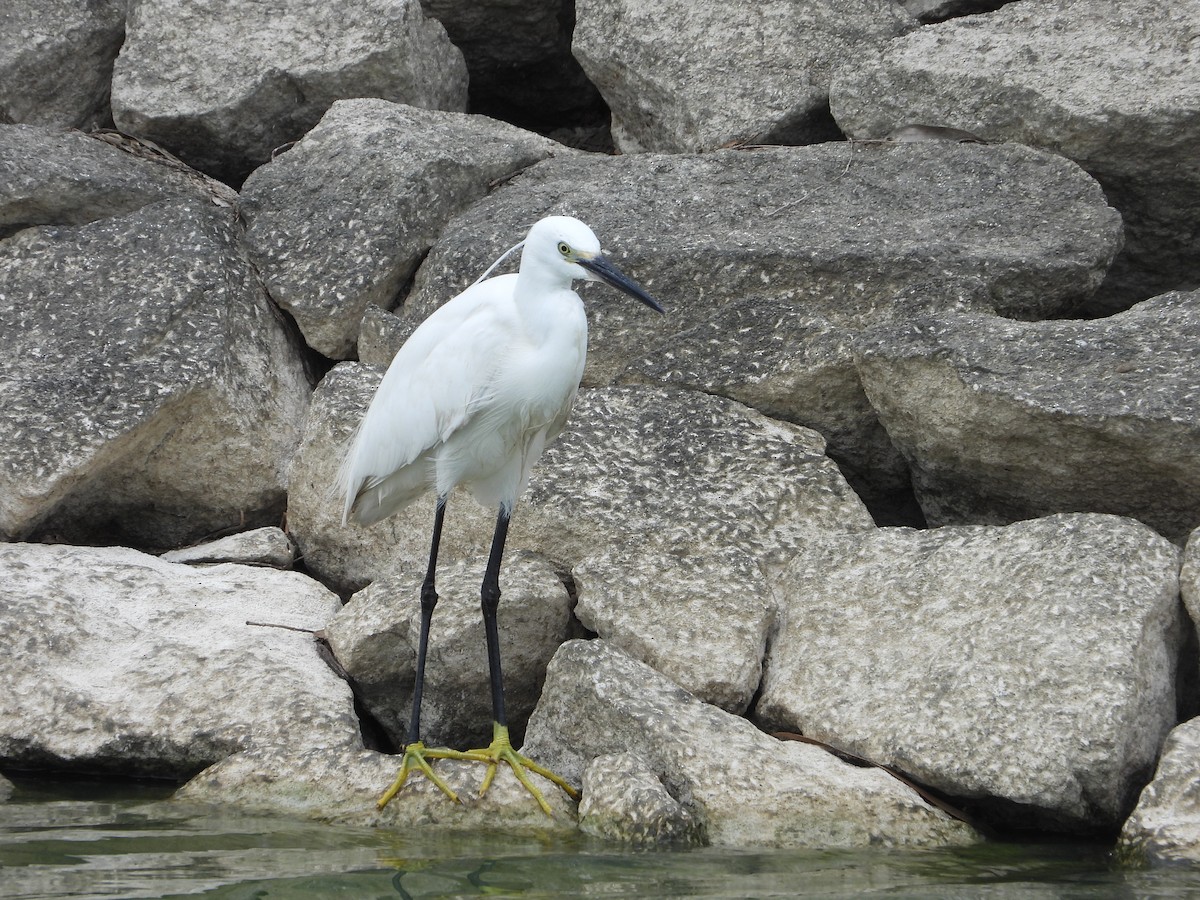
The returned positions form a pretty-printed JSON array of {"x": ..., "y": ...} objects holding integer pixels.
[
  {"x": 56, "y": 59},
  {"x": 341, "y": 785},
  {"x": 115, "y": 661},
  {"x": 1114, "y": 86},
  {"x": 1027, "y": 671},
  {"x": 154, "y": 392},
  {"x": 741, "y": 787},
  {"x": 223, "y": 84},
  {"x": 1004, "y": 420},
  {"x": 1165, "y": 825},
  {"x": 689, "y": 75},
  {"x": 647, "y": 465},
  {"x": 341, "y": 220},
  {"x": 375, "y": 639},
  {"x": 836, "y": 229},
  {"x": 268, "y": 546}
]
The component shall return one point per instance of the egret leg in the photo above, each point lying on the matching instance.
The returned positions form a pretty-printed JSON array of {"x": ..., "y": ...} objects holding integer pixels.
[
  {"x": 416, "y": 754},
  {"x": 501, "y": 748}
]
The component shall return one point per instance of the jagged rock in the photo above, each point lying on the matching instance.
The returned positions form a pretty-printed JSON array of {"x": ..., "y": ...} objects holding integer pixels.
[
  {"x": 663, "y": 468},
  {"x": 1028, "y": 670},
  {"x": 1113, "y": 86},
  {"x": 268, "y": 546},
  {"x": 700, "y": 619},
  {"x": 690, "y": 75},
  {"x": 116, "y": 661},
  {"x": 380, "y": 335},
  {"x": 623, "y": 800},
  {"x": 340, "y": 221},
  {"x": 1004, "y": 420},
  {"x": 341, "y": 785},
  {"x": 741, "y": 786},
  {"x": 154, "y": 392},
  {"x": 374, "y": 638},
  {"x": 52, "y": 177},
  {"x": 56, "y": 60},
  {"x": 223, "y": 84},
  {"x": 937, "y": 10},
  {"x": 519, "y": 61},
  {"x": 1165, "y": 824},
  {"x": 754, "y": 310}
]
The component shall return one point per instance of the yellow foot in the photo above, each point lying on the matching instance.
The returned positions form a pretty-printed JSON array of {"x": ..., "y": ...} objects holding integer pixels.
[
  {"x": 501, "y": 750},
  {"x": 417, "y": 756}
]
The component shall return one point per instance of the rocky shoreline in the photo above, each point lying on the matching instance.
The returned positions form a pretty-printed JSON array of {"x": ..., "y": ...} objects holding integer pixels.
[{"x": 908, "y": 471}]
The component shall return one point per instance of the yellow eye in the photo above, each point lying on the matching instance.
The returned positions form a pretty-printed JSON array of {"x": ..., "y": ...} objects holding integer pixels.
[{"x": 564, "y": 248}]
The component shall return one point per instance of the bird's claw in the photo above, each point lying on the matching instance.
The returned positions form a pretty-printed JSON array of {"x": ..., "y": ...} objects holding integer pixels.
[
  {"x": 501, "y": 750},
  {"x": 417, "y": 756}
]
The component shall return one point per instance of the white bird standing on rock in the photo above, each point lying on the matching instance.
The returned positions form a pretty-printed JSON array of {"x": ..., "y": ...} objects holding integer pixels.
[{"x": 473, "y": 398}]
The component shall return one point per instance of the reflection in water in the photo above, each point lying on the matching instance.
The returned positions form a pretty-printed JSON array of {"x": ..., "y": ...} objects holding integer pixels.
[{"x": 102, "y": 841}]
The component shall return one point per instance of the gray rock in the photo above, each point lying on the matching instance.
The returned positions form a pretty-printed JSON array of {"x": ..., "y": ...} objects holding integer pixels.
[
  {"x": 519, "y": 60},
  {"x": 741, "y": 786},
  {"x": 268, "y": 546},
  {"x": 154, "y": 392},
  {"x": 1113, "y": 86},
  {"x": 52, "y": 177},
  {"x": 6, "y": 788},
  {"x": 374, "y": 638},
  {"x": 1029, "y": 670},
  {"x": 1165, "y": 824},
  {"x": 1004, "y": 420},
  {"x": 702, "y": 619},
  {"x": 56, "y": 60},
  {"x": 380, "y": 335},
  {"x": 116, "y": 661},
  {"x": 224, "y": 84},
  {"x": 340, "y": 221},
  {"x": 937, "y": 10},
  {"x": 624, "y": 801},
  {"x": 341, "y": 784},
  {"x": 667, "y": 469},
  {"x": 690, "y": 75}
]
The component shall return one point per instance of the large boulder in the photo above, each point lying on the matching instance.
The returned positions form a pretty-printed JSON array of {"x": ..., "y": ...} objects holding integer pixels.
[
  {"x": 1004, "y": 420},
  {"x": 374, "y": 638},
  {"x": 689, "y": 75},
  {"x": 115, "y": 661},
  {"x": 153, "y": 390},
  {"x": 222, "y": 84},
  {"x": 1113, "y": 86},
  {"x": 769, "y": 262},
  {"x": 1165, "y": 825},
  {"x": 340, "y": 221},
  {"x": 56, "y": 60},
  {"x": 1027, "y": 671},
  {"x": 665, "y": 469},
  {"x": 734, "y": 785}
]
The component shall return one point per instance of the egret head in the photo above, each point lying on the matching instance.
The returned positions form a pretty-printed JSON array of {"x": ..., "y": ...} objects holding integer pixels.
[{"x": 565, "y": 246}]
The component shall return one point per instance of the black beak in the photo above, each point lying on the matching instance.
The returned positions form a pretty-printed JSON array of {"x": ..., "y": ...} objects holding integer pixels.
[{"x": 608, "y": 273}]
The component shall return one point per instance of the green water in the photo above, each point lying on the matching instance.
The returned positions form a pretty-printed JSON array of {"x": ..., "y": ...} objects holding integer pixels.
[{"x": 72, "y": 839}]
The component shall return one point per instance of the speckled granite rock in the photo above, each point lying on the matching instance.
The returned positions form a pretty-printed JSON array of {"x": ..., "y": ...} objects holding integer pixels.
[
  {"x": 1165, "y": 824},
  {"x": 634, "y": 465},
  {"x": 624, "y": 801},
  {"x": 340, "y": 221},
  {"x": 1004, "y": 420},
  {"x": 1113, "y": 86},
  {"x": 741, "y": 786},
  {"x": 162, "y": 407},
  {"x": 260, "y": 547},
  {"x": 374, "y": 637},
  {"x": 116, "y": 661},
  {"x": 223, "y": 84},
  {"x": 689, "y": 75},
  {"x": 56, "y": 59},
  {"x": 1028, "y": 671},
  {"x": 700, "y": 619},
  {"x": 341, "y": 785}
]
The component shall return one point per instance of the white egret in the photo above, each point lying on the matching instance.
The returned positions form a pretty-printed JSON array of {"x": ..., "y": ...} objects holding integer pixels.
[{"x": 473, "y": 398}]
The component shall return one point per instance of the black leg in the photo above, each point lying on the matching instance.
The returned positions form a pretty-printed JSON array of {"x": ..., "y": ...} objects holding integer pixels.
[
  {"x": 490, "y": 595},
  {"x": 429, "y": 600}
]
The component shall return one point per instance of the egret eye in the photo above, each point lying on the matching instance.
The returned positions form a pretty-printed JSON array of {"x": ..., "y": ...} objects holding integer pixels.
[{"x": 564, "y": 248}]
